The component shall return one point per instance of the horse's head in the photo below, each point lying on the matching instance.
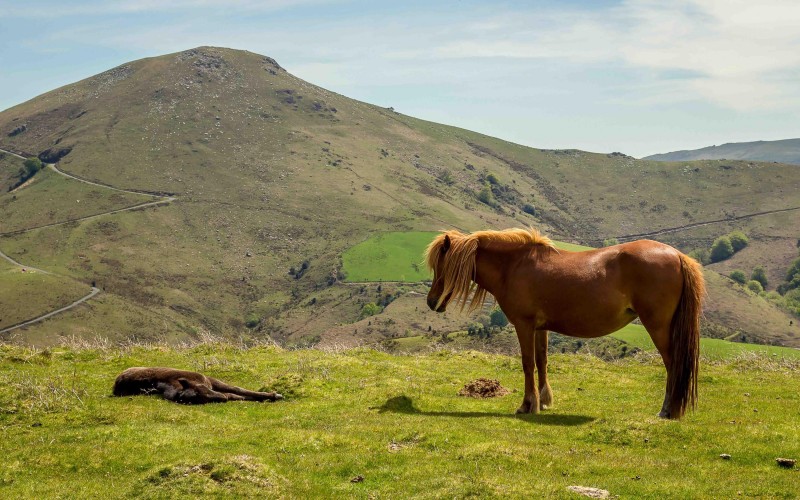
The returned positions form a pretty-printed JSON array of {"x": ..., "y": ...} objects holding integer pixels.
[{"x": 436, "y": 255}]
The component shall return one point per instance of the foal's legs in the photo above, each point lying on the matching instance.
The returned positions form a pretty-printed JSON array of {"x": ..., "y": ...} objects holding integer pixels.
[
  {"x": 545, "y": 393},
  {"x": 527, "y": 338}
]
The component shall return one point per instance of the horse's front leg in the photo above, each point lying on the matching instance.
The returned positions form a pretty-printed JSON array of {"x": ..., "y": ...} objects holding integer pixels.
[
  {"x": 527, "y": 344},
  {"x": 545, "y": 393}
]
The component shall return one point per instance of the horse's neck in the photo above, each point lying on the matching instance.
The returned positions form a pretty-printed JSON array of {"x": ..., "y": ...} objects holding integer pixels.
[{"x": 491, "y": 264}]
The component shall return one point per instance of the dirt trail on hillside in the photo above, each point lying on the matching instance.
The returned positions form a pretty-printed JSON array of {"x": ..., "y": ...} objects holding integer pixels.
[{"x": 166, "y": 198}]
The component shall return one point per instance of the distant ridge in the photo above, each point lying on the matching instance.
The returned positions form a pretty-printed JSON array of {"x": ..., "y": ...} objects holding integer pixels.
[{"x": 783, "y": 151}]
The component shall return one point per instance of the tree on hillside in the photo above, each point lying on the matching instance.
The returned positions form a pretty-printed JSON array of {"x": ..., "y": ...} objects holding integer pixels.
[
  {"x": 755, "y": 286},
  {"x": 739, "y": 240},
  {"x": 738, "y": 276},
  {"x": 721, "y": 249},
  {"x": 498, "y": 318},
  {"x": 32, "y": 165},
  {"x": 760, "y": 275}
]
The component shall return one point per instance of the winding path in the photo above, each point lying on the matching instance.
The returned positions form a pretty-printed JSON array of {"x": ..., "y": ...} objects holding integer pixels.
[{"x": 165, "y": 199}]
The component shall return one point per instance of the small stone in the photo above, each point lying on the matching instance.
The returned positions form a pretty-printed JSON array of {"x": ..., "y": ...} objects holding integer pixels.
[
  {"x": 589, "y": 492},
  {"x": 786, "y": 462},
  {"x": 646, "y": 440},
  {"x": 357, "y": 479},
  {"x": 747, "y": 394},
  {"x": 725, "y": 456}
]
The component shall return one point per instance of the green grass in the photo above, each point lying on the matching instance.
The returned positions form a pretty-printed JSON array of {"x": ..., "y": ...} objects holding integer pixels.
[
  {"x": 43, "y": 293},
  {"x": 396, "y": 421},
  {"x": 637, "y": 336},
  {"x": 397, "y": 256}
]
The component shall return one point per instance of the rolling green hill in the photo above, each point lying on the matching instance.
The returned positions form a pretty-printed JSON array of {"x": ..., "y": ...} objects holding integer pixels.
[
  {"x": 785, "y": 151},
  {"x": 276, "y": 179}
]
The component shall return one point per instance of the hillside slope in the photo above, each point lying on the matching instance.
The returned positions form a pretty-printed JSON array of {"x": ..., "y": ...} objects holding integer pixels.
[
  {"x": 784, "y": 151},
  {"x": 275, "y": 179}
]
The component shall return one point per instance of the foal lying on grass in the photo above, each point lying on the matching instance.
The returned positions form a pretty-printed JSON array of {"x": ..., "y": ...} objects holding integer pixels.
[{"x": 183, "y": 386}]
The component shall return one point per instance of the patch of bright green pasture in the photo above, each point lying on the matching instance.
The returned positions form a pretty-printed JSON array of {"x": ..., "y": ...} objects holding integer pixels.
[
  {"x": 637, "y": 336},
  {"x": 396, "y": 422},
  {"x": 51, "y": 198},
  {"x": 395, "y": 256},
  {"x": 26, "y": 295},
  {"x": 572, "y": 247}
]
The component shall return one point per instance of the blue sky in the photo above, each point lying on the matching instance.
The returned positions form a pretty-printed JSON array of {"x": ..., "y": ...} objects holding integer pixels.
[{"x": 637, "y": 76}]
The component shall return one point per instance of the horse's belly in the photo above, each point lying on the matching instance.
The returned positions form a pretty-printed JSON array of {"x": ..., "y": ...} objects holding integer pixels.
[{"x": 589, "y": 328}]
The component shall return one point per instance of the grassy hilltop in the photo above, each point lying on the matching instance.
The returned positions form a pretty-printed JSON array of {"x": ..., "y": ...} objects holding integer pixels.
[
  {"x": 396, "y": 422},
  {"x": 276, "y": 180}
]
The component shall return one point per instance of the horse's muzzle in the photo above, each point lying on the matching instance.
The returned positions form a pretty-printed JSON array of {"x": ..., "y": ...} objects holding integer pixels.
[{"x": 432, "y": 305}]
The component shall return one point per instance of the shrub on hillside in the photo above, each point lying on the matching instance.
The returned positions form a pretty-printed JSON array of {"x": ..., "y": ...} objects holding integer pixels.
[
  {"x": 370, "y": 309},
  {"x": 498, "y": 318},
  {"x": 486, "y": 196},
  {"x": 755, "y": 286},
  {"x": 529, "y": 209},
  {"x": 610, "y": 242},
  {"x": 738, "y": 276},
  {"x": 739, "y": 240},
  {"x": 32, "y": 165},
  {"x": 721, "y": 249},
  {"x": 701, "y": 255},
  {"x": 760, "y": 275}
]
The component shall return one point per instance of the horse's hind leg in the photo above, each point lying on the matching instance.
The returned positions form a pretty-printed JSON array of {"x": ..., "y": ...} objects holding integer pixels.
[
  {"x": 219, "y": 385},
  {"x": 545, "y": 393},
  {"x": 660, "y": 334},
  {"x": 527, "y": 338}
]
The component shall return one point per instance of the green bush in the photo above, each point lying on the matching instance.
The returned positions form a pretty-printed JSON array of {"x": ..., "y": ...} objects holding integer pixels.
[
  {"x": 498, "y": 318},
  {"x": 755, "y": 286},
  {"x": 738, "y": 276},
  {"x": 760, "y": 275},
  {"x": 486, "y": 196},
  {"x": 529, "y": 209},
  {"x": 739, "y": 240},
  {"x": 794, "y": 270},
  {"x": 610, "y": 242},
  {"x": 492, "y": 179},
  {"x": 721, "y": 249},
  {"x": 370, "y": 309},
  {"x": 701, "y": 255},
  {"x": 32, "y": 165}
]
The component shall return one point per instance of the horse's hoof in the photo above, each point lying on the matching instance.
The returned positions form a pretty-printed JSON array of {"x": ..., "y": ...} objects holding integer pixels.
[
  {"x": 523, "y": 410},
  {"x": 663, "y": 414},
  {"x": 545, "y": 407},
  {"x": 278, "y": 397}
]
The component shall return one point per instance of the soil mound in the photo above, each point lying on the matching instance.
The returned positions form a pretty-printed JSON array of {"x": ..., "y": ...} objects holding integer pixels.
[{"x": 483, "y": 388}]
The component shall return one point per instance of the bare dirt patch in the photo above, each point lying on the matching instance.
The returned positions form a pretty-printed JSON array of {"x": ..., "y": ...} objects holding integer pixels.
[{"x": 483, "y": 388}]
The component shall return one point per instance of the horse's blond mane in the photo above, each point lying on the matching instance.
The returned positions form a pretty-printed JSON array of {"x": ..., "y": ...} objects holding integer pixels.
[{"x": 458, "y": 270}]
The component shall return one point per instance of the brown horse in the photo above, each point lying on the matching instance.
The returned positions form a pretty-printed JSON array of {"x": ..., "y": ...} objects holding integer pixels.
[{"x": 581, "y": 294}]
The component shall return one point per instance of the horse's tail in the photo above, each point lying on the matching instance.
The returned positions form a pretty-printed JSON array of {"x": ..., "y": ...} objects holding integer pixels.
[{"x": 685, "y": 339}]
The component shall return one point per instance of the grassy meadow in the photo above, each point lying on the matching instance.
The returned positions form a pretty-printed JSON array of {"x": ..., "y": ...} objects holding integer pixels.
[
  {"x": 398, "y": 256},
  {"x": 362, "y": 423}
]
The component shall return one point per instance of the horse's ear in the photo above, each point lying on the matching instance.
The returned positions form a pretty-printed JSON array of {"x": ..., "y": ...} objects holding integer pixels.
[{"x": 446, "y": 244}]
